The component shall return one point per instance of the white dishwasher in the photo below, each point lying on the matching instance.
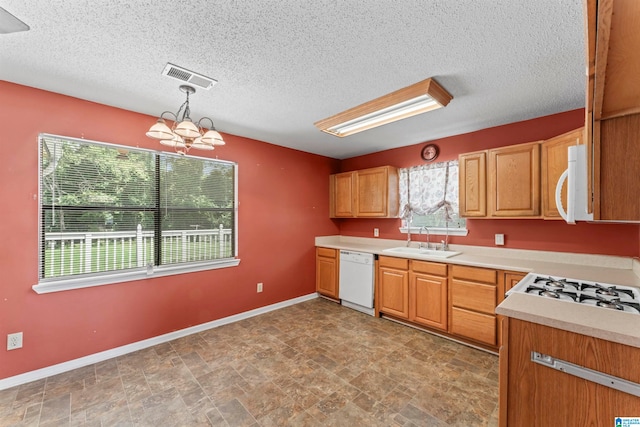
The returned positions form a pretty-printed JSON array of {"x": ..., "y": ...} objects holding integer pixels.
[{"x": 356, "y": 281}]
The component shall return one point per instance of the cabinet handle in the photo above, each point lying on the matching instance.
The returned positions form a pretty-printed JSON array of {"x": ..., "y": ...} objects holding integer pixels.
[{"x": 601, "y": 378}]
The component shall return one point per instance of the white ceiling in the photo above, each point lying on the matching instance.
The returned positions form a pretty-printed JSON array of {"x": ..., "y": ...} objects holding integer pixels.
[{"x": 281, "y": 65}]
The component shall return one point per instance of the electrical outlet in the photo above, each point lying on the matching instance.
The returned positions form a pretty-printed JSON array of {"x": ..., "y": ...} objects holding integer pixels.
[
  {"x": 14, "y": 341},
  {"x": 376, "y": 232},
  {"x": 259, "y": 287},
  {"x": 499, "y": 239}
]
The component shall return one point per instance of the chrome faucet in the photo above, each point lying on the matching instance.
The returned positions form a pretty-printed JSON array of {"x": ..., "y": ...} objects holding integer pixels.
[
  {"x": 424, "y": 227},
  {"x": 445, "y": 243}
]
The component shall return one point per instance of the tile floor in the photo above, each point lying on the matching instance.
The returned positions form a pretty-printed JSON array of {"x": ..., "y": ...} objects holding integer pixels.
[{"x": 311, "y": 364}]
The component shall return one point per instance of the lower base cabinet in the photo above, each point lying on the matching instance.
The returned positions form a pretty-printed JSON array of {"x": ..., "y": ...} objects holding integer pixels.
[
  {"x": 327, "y": 268},
  {"x": 455, "y": 299},
  {"x": 393, "y": 285},
  {"x": 473, "y": 325},
  {"x": 414, "y": 290},
  {"x": 428, "y": 294},
  {"x": 535, "y": 395},
  {"x": 472, "y": 303}
]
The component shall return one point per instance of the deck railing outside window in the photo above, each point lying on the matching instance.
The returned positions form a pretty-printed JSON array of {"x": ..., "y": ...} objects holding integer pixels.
[{"x": 78, "y": 253}]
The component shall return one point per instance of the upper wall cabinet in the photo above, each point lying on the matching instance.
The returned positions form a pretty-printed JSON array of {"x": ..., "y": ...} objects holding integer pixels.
[
  {"x": 613, "y": 108},
  {"x": 366, "y": 193},
  {"x": 514, "y": 181},
  {"x": 554, "y": 163},
  {"x": 342, "y": 195},
  {"x": 473, "y": 184},
  {"x": 501, "y": 183}
]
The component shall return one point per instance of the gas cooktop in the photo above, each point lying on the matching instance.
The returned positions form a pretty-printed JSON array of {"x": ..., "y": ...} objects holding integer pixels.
[{"x": 603, "y": 295}]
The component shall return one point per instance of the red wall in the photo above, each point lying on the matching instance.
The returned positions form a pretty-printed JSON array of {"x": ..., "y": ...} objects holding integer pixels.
[
  {"x": 610, "y": 239},
  {"x": 283, "y": 205}
]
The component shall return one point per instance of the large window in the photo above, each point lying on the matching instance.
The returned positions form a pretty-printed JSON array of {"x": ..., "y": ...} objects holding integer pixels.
[
  {"x": 110, "y": 213},
  {"x": 429, "y": 197}
]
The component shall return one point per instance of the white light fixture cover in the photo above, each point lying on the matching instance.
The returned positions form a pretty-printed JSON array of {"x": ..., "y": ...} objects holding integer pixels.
[
  {"x": 416, "y": 99},
  {"x": 11, "y": 24}
]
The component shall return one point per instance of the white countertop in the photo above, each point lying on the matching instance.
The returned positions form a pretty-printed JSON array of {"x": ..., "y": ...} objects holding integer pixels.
[
  {"x": 597, "y": 268},
  {"x": 611, "y": 325}
]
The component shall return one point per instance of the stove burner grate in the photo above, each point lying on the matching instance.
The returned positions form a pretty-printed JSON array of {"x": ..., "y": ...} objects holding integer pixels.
[
  {"x": 612, "y": 303},
  {"x": 550, "y": 283},
  {"x": 612, "y": 291},
  {"x": 550, "y": 293}
]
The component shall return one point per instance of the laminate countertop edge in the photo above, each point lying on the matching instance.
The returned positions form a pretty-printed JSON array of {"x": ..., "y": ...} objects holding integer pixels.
[
  {"x": 609, "y": 325},
  {"x": 592, "y": 267}
]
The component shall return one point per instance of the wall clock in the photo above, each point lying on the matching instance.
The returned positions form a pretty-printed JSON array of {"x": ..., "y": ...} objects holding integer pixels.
[{"x": 430, "y": 152}]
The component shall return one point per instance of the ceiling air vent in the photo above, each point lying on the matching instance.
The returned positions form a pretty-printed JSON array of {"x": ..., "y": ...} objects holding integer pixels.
[{"x": 190, "y": 77}]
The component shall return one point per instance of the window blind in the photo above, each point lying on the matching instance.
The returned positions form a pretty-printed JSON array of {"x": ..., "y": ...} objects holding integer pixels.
[{"x": 106, "y": 208}]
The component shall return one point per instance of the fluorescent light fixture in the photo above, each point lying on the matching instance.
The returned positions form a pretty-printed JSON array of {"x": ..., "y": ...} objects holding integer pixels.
[
  {"x": 416, "y": 99},
  {"x": 10, "y": 24}
]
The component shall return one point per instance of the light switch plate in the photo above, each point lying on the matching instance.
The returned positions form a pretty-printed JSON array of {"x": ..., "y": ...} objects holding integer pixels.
[{"x": 499, "y": 239}]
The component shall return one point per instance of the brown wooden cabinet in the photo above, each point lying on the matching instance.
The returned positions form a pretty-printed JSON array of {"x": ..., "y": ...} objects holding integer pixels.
[
  {"x": 366, "y": 193},
  {"x": 343, "y": 195},
  {"x": 327, "y": 268},
  {"x": 414, "y": 290},
  {"x": 393, "y": 280},
  {"x": 501, "y": 183},
  {"x": 428, "y": 294},
  {"x": 535, "y": 395},
  {"x": 473, "y": 184},
  {"x": 514, "y": 181},
  {"x": 510, "y": 279},
  {"x": 554, "y": 163},
  {"x": 613, "y": 108},
  {"x": 472, "y": 302},
  {"x": 506, "y": 281}
]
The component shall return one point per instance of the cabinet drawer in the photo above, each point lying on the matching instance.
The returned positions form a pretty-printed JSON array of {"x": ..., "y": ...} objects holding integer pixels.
[
  {"x": 435, "y": 268},
  {"x": 399, "y": 263},
  {"x": 477, "y": 326},
  {"x": 473, "y": 273},
  {"x": 474, "y": 296},
  {"x": 326, "y": 252}
]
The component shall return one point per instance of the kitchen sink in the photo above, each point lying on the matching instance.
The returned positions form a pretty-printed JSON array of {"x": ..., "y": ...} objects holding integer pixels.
[{"x": 421, "y": 252}]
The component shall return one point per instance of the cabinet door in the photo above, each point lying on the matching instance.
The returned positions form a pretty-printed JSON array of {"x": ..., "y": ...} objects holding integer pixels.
[
  {"x": 554, "y": 162},
  {"x": 618, "y": 187},
  {"x": 474, "y": 296},
  {"x": 613, "y": 108},
  {"x": 538, "y": 395},
  {"x": 428, "y": 299},
  {"x": 473, "y": 184},
  {"x": 394, "y": 292},
  {"x": 371, "y": 192},
  {"x": 514, "y": 181},
  {"x": 508, "y": 280},
  {"x": 512, "y": 279},
  {"x": 476, "y": 326},
  {"x": 343, "y": 196},
  {"x": 327, "y": 272}
]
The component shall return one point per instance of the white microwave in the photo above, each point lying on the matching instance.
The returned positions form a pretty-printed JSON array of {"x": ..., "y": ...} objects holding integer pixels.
[{"x": 577, "y": 187}]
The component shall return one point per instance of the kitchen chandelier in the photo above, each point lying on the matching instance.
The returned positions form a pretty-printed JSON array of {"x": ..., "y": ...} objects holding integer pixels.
[{"x": 185, "y": 134}]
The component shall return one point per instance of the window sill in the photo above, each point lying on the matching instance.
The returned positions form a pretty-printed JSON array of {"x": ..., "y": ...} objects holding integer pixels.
[
  {"x": 438, "y": 231},
  {"x": 56, "y": 285}
]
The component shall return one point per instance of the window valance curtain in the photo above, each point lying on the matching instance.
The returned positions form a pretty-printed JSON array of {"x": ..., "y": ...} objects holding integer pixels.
[{"x": 427, "y": 189}]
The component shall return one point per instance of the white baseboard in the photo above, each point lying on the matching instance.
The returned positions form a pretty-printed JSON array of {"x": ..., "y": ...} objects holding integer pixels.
[{"x": 39, "y": 374}]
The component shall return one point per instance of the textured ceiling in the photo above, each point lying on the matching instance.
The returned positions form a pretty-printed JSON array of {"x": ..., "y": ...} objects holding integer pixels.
[{"x": 281, "y": 65}]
